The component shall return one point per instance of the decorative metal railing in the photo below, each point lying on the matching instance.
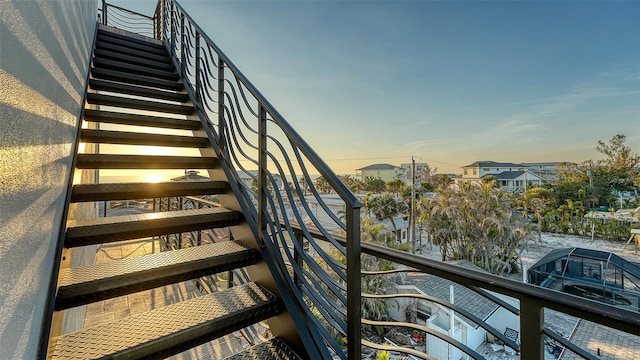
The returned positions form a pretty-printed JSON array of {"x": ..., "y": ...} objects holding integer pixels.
[
  {"x": 533, "y": 309},
  {"x": 270, "y": 167},
  {"x": 126, "y": 19}
]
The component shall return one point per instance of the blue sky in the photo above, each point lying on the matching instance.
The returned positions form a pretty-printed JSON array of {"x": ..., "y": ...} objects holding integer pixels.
[{"x": 449, "y": 83}]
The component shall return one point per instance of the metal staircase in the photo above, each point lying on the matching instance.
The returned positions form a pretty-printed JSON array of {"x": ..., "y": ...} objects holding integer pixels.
[{"x": 132, "y": 73}]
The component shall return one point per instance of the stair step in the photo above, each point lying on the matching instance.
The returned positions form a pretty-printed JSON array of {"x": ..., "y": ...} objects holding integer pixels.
[
  {"x": 110, "y": 100},
  {"x": 160, "y": 65},
  {"x": 123, "y": 191},
  {"x": 126, "y": 227},
  {"x": 135, "y": 79},
  {"x": 112, "y": 161},
  {"x": 135, "y": 138},
  {"x": 135, "y": 69},
  {"x": 272, "y": 349},
  {"x": 164, "y": 58},
  {"x": 171, "y": 329},
  {"x": 140, "y": 120},
  {"x": 116, "y": 87},
  {"x": 92, "y": 283},
  {"x": 129, "y": 42}
]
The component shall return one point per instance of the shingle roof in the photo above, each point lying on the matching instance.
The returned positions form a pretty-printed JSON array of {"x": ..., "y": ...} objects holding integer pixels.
[
  {"x": 379, "y": 167},
  {"x": 467, "y": 299},
  {"x": 508, "y": 175},
  {"x": 489, "y": 164}
]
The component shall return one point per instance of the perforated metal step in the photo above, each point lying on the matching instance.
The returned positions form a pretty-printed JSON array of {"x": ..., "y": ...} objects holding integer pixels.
[
  {"x": 140, "y": 120},
  {"x": 161, "y": 65},
  {"x": 171, "y": 329},
  {"x": 110, "y": 100},
  {"x": 112, "y": 161},
  {"x": 86, "y": 284},
  {"x": 136, "y": 69},
  {"x": 125, "y": 227},
  {"x": 116, "y": 87},
  {"x": 273, "y": 349},
  {"x": 129, "y": 78},
  {"x": 122, "y": 191},
  {"x": 131, "y": 42},
  {"x": 135, "y": 138}
]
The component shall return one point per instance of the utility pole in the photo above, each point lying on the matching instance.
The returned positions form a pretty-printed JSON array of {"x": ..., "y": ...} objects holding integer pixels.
[{"x": 412, "y": 224}]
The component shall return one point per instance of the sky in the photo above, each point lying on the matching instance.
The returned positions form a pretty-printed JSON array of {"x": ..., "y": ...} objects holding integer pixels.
[{"x": 448, "y": 83}]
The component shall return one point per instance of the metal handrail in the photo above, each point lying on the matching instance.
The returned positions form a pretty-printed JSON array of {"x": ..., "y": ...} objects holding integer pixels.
[
  {"x": 532, "y": 300},
  {"x": 247, "y": 132},
  {"x": 125, "y": 19}
]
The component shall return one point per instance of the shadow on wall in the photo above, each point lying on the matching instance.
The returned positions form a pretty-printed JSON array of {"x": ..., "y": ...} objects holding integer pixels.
[{"x": 45, "y": 47}]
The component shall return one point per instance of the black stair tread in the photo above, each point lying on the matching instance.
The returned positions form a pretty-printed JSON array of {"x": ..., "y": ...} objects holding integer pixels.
[
  {"x": 113, "y": 117},
  {"x": 125, "y": 227},
  {"x": 117, "y": 87},
  {"x": 114, "y": 161},
  {"x": 173, "y": 328},
  {"x": 123, "y": 102},
  {"x": 123, "y": 191},
  {"x": 134, "y": 69},
  {"x": 87, "y": 284},
  {"x": 155, "y": 56},
  {"x": 108, "y": 34},
  {"x": 135, "y": 138},
  {"x": 130, "y": 43},
  {"x": 135, "y": 79},
  {"x": 272, "y": 349},
  {"x": 107, "y": 54}
]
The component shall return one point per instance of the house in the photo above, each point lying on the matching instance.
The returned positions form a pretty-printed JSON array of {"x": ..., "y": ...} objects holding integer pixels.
[
  {"x": 548, "y": 170},
  {"x": 250, "y": 177},
  {"x": 191, "y": 175},
  {"x": 386, "y": 172},
  {"x": 510, "y": 176},
  {"x": 517, "y": 180},
  {"x": 438, "y": 317},
  {"x": 420, "y": 168}
]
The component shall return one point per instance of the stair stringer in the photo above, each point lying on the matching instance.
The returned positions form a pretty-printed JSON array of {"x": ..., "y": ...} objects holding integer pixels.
[
  {"x": 290, "y": 324},
  {"x": 281, "y": 325}
]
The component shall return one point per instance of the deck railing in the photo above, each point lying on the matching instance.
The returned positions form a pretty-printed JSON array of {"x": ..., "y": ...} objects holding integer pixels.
[{"x": 269, "y": 167}]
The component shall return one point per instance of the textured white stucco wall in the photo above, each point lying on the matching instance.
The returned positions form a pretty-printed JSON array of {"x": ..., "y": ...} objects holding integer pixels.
[{"x": 44, "y": 57}]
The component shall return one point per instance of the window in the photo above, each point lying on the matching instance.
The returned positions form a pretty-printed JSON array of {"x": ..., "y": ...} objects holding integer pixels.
[
  {"x": 486, "y": 169},
  {"x": 475, "y": 171}
]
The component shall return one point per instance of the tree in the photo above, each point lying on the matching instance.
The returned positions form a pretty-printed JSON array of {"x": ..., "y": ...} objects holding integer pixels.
[
  {"x": 477, "y": 223},
  {"x": 374, "y": 185},
  {"x": 394, "y": 186},
  {"x": 620, "y": 165},
  {"x": 385, "y": 206}
]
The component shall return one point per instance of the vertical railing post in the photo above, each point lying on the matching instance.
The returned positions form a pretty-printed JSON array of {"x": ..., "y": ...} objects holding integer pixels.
[
  {"x": 104, "y": 12},
  {"x": 531, "y": 326},
  {"x": 221, "y": 122},
  {"x": 230, "y": 279},
  {"x": 262, "y": 171},
  {"x": 172, "y": 25},
  {"x": 354, "y": 312},
  {"x": 183, "y": 51},
  {"x": 197, "y": 69}
]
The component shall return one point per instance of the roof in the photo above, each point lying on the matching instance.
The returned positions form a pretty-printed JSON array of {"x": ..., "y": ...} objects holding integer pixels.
[
  {"x": 488, "y": 164},
  {"x": 379, "y": 167},
  {"x": 591, "y": 254},
  {"x": 191, "y": 175},
  {"x": 467, "y": 299}
]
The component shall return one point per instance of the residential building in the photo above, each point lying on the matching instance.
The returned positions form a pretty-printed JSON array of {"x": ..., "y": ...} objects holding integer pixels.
[
  {"x": 509, "y": 176},
  {"x": 386, "y": 172},
  {"x": 419, "y": 168}
]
